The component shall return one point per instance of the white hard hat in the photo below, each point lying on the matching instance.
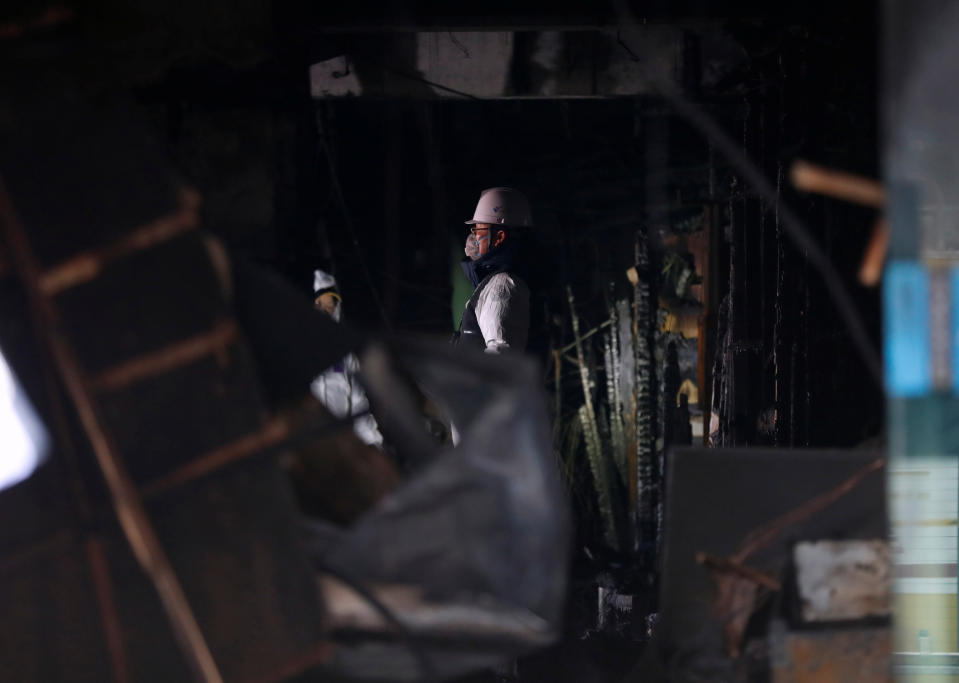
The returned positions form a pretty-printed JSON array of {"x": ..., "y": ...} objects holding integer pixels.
[
  {"x": 502, "y": 206},
  {"x": 322, "y": 280}
]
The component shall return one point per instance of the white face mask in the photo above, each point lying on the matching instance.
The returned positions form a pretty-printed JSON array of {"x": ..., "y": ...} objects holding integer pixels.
[{"x": 473, "y": 245}]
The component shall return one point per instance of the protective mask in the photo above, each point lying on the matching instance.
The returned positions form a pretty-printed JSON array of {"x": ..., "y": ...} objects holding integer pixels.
[{"x": 473, "y": 245}]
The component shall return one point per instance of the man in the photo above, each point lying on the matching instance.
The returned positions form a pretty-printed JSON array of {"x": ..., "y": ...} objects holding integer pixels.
[
  {"x": 497, "y": 315},
  {"x": 337, "y": 388}
]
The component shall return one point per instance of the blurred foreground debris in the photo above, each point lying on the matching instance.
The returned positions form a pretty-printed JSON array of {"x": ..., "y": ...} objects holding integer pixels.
[
  {"x": 737, "y": 585},
  {"x": 858, "y": 190},
  {"x": 856, "y": 655},
  {"x": 179, "y": 382},
  {"x": 153, "y": 391},
  {"x": 841, "y": 580},
  {"x": 732, "y": 621},
  {"x": 471, "y": 550}
]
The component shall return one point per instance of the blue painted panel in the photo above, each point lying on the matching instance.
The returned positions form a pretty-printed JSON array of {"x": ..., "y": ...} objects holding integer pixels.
[
  {"x": 954, "y": 324},
  {"x": 908, "y": 348}
]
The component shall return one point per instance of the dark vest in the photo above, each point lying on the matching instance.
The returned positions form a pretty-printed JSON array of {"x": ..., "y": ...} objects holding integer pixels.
[{"x": 469, "y": 334}]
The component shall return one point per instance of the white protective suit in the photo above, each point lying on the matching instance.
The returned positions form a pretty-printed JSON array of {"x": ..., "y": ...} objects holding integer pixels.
[
  {"x": 338, "y": 387},
  {"x": 339, "y": 390}
]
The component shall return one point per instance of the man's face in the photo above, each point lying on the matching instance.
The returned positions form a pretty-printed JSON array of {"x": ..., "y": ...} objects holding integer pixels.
[
  {"x": 326, "y": 303},
  {"x": 481, "y": 231}
]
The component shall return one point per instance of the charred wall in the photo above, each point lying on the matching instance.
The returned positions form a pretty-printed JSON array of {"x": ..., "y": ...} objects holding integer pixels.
[{"x": 786, "y": 372}]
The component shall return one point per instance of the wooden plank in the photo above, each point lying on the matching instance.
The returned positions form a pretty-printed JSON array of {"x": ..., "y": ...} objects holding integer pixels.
[
  {"x": 273, "y": 433},
  {"x": 87, "y": 265},
  {"x": 168, "y": 358}
]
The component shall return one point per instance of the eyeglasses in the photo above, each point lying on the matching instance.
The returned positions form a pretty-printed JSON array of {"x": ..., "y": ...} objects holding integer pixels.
[{"x": 474, "y": 229}]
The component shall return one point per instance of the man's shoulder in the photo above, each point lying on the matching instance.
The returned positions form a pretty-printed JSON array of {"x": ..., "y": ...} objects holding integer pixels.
[
  {"x": 506, "y": 279},
  {"x": 503, "y": 285}
]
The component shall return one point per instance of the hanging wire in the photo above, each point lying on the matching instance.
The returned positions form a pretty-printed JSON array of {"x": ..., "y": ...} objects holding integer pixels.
[{"x": 348, "y": 219}]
